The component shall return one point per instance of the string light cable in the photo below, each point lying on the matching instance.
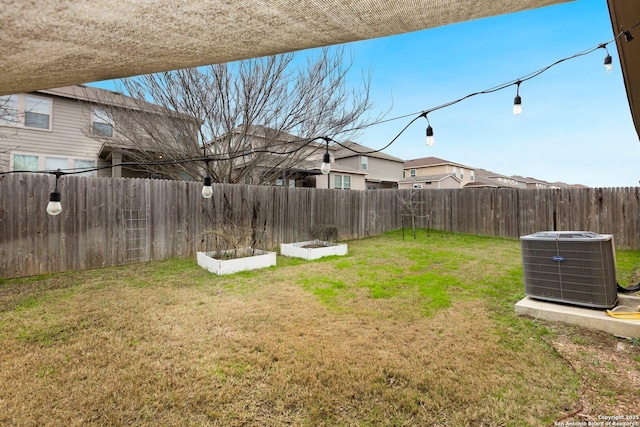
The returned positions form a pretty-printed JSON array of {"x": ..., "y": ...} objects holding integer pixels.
[
  {"x": 624, "y": 33},
  {"x": 55, "y": 197}
]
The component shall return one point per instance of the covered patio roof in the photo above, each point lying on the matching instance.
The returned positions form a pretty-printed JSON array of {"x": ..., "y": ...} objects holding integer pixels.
[
  {"x": 53, "y": 43},
  {"x": 624, "y": 15}
]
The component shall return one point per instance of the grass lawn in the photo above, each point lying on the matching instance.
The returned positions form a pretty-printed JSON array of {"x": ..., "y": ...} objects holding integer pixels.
[{"x": 415, "y": 332}]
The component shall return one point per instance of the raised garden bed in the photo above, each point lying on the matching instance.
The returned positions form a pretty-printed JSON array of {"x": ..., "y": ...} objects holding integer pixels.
[
  {"x": 313, "y": 249},
  {"x": 233, "y": 261}
]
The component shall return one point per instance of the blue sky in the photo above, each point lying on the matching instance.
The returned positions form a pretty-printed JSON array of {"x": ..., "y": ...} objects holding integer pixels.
[{"x": 576, "y": 126}]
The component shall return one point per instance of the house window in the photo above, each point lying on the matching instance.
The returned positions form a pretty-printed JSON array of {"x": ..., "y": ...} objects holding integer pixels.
[
  {"x": 364, "y": 162},
  {"x": 37, "y": 112},
  {"x": 412, "y": 172},
  {"x": 279, "y": 182},
  {"x": 85, "y": 164},
  {"x": 461, "y": 173},
  {"x": 9, "y": 110},
  {"x": 472, "y": 177},
  {"x": 417, "y": 186},
  {"x": 404, "y": 173},
  {"x": 35, "y": 163},
  {"x": 342, "y": 182},
  {"x": 23, "y": 162},
  {"x": 455, "y": 171},
  {"x": 25, "y": 111},
  {"x": 102, "y": 123},
  {"x": 292, "y": 183}
]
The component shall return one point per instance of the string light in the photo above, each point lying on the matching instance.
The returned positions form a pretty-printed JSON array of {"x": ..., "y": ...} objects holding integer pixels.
[
  {"x": 517, "y": 101},
  {"x": 55, "y": 206},
  {"x": 325, "y": 167},
  {"x": 430, "y": 141},
  {"x": 207, "y": 189},
  {"x": 608, "y": 62}
]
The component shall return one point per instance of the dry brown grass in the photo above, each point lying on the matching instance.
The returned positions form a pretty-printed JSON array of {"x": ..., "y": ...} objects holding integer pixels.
[{"x": 169, "y": 344}]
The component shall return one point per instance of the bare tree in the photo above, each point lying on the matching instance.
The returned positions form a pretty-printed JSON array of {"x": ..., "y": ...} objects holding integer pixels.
[
  {"x": 9, "y": 115},
  {"x": 250, "y": 115},
  {"x": 411, "y": 207}
]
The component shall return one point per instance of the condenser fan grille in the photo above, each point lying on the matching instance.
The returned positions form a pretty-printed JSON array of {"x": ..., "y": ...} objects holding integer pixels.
[{"x": 570, "y": 267}]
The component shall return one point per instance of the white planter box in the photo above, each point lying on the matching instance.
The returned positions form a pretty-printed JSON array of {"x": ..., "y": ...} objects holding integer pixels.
[
  {"x": 299, "y": 250},
  {"x": 260, "y": 259}
]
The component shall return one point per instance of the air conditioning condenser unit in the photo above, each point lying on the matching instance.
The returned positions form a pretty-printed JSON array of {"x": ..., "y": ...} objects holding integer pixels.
[{"x": 573, "y": 267}]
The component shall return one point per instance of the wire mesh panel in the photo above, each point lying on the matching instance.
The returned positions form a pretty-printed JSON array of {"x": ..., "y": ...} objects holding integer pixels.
[
  {"x": 570, "y": 267},
  {"x": 135, "y": 233}
]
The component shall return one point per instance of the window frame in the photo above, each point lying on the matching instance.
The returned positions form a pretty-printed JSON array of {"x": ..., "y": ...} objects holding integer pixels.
[
  {"x": 21, "y": 114},
  {"x": 346, "y": 182},
  {"x": 412, "y": 173},
  {"x": 364, "y": 163},
  {"x": 103, "y": 118},
  {"x": 72, "y": 162}
]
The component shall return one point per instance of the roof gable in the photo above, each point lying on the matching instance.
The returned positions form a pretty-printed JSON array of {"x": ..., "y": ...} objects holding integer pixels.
[
  {"x": 351, "y": 149},
  {"x": 431, "y": 161}
]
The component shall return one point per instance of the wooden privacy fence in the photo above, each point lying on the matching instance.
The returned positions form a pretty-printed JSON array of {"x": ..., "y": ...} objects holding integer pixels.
[{"x": 107, "y": 221}]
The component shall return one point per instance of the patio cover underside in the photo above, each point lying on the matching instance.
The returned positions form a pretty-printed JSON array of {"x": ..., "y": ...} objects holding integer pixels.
[{"x": 53, "y": 43}]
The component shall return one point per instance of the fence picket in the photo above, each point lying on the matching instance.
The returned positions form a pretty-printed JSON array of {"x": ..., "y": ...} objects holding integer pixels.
[{"x": 91, "y": 233}]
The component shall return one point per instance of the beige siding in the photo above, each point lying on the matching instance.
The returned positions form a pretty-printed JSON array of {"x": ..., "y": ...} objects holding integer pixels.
[
  {"x": 384, "y": 170},
  {"x": 448, "y": 182},
  {"x": 69, "y": 118},
  {"x": 358, "y": 182},
  {"x": 378, "y": 169},
  {"x": 350, "y": 162},
  {"x": 441, "y": 170},
  {"x": 433, "y": 170}
]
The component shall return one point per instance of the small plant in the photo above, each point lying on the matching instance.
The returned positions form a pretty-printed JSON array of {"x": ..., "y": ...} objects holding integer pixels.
[
  {"x": 233, "y": 237},
  {"x": 411, "y": 207},
  {"x": 326, "y": 233}
]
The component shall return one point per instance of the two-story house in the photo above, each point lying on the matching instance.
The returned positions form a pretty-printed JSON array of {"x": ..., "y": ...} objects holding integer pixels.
[
  {"x": 432, "y": 172},
  {"x": 382, "y": 170},
  {"x": 487, "y": 179},
  {"x": 70, "y": 128},
  {"x": 272, "y": 157}
]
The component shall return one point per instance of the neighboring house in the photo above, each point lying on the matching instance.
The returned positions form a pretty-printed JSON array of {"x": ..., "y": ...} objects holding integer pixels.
[
  {"x": 485, "y": 178},
  {"x": 435, "y": 168},
  {"x": 489, "y": 179},
  {"x": 533, "y": 183},
  {"x": 299, "y": 168},
  {"x": 64, "y": 128},
  {"x": 341, "y": 178},
  {"x": 45, "y": 130},
  {"x": 430, "y": 182},
  {"x": 383, "y": 170}
]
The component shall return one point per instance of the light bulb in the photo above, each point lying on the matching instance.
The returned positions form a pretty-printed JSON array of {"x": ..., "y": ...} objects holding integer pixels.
[
  {"x": 207, "y": 190},
  {"x": 430, "y": 140},
  {"x": 325, "y": 168},
  {"x": 517, "y": 105},
  {"x": 54, "y": 207},
  {"x": 608, "y": 66}
]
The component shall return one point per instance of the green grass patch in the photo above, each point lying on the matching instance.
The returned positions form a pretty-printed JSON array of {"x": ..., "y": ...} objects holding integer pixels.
[{"x": 400, "y": 332}]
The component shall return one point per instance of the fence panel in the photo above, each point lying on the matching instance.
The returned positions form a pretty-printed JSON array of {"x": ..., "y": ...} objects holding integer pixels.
[{"x": 92, "y": 230}]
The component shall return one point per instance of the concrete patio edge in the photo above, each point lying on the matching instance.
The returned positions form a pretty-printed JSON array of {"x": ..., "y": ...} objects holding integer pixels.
[{"x": 587, "y": 317}]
